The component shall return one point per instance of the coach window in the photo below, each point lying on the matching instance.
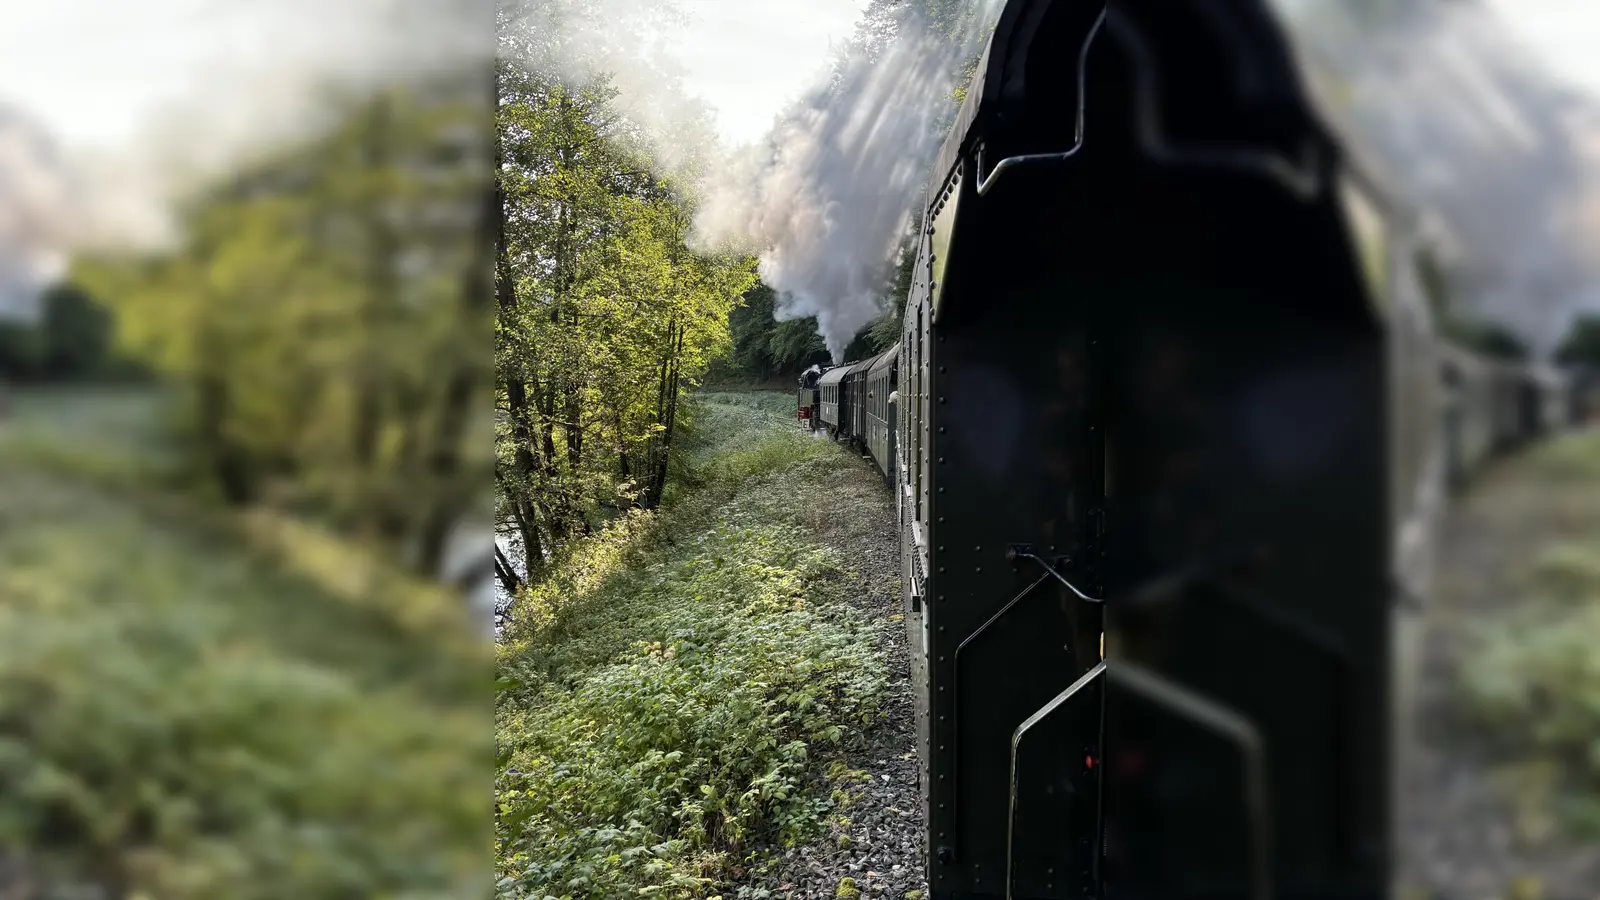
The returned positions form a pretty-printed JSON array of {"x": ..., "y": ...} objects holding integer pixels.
[
  {"x": 940, "y": 229},
  {"x": 1367, "y": 230},
  {"x": 920, "y": 420}
]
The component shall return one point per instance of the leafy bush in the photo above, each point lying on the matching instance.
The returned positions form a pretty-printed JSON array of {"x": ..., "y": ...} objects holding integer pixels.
[
  {"x": 1572, "y": 457},
  {"x": 194, "y": 706},
  {"x": 663, "y": 696},
  {"x": 633, "y": 768},
  {"x": 1536, "y": 678},
  {"x": 1538, "y": 682}
]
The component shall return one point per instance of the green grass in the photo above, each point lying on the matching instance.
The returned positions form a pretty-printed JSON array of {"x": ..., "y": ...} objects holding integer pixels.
[
  {"x": 197, "y": 704},
  {"x": 1534, "y": 681},
  {"x": 107, "y": 431},
  {"x": 665, "y": 698}
]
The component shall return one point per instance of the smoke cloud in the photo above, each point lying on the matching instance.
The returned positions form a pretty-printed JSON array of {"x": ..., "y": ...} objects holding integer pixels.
[
  {"x": 1466, "y": 124},
  {"x": 1455, "y": 117},
  {"x": 34, "y": 191},
  {"x": 109, "y": 114},
  {"x": 828, "y": 201}
]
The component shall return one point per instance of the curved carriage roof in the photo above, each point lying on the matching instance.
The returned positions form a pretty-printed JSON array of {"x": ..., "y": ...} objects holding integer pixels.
[
  {"x": 835, "y": 374},
  {"x": 1547, "y": 375},
  {"x": 883, "y": 360}
]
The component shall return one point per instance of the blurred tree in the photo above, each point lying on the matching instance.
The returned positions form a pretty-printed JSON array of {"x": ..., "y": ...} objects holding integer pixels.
[
  {"x": 71, "y": 340},
  {"x": 77, "y": 333},
  {"x": 797, "y": 344},
  {"x": 23, "y": 348},
  {"x": 1581, "y": 346},
  {"x": 1488, "y": 338},
  {"x": 319, "y": 322}
]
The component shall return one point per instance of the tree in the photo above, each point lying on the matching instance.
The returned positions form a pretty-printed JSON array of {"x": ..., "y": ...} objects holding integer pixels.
[
  {"x": 1488, "y": 338},
  {"x": 72, "y": 340},
  {"x": 1581, "y": 346},
  {"x": 324, "y": 320},
  {"x": 604, "y": 315}
]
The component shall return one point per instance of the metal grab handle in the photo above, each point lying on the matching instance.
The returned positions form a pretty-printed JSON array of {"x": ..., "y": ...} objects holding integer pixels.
[
  {"x": 1304, "y": 179},
  {"x": 1016, "y": 741},
  {"x": 1304, "y": 183},
  {"x": 1226, "y": 722},
  {"x": 955, "y": 678},
  {"x": 1013, "y": 552},
  {"x": 987, "y": 181},
  {"x": 1023, "y": 551}
]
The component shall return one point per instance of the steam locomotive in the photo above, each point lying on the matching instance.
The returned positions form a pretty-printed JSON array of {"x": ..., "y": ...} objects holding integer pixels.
[{"x": 1170, "y": 428}]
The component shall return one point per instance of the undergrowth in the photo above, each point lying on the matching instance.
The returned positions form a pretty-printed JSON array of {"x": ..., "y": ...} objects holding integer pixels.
[
  {"x": 665, "y": 696},
  {"x": 196, "y": 704},
  {"x": 1535, "y": 679}
]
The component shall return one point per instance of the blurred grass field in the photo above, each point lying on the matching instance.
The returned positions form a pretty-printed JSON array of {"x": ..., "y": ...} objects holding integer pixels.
[
  {"x": 1531, "y": 680},
  {"x": 198, "y": 703}
]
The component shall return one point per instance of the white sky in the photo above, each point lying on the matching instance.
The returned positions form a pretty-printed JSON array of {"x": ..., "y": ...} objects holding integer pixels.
[
  {"x": 1564, "y": 34},
  {"x": 99, "y": 72},
  {"x": 748, "y": 58},
  {"x": 95, "y": 72}
]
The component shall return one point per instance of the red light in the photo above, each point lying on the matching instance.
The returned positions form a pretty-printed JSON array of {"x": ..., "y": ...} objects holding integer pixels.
[{"x": 1088, "y": 761}]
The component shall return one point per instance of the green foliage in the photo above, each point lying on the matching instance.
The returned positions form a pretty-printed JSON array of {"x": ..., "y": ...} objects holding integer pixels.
[
  {"x": 1484, "y": 337},
  {"x": 664, "y": 695},
  {"x": 763, "y": 347},
  {"x": 1535, "y": 680},
  {"x": 796, "y": 345},
  {"x": 1537, "y": 684},
  {"x": 194, "y": 705},
  {"x": 605, "y": 316},
  {"x": 1573, "y": 459},
  {"x": 1581, "y": 346},
  {"x": 324, "y": 320},
  {"x": 22, "y": 350},
  {"x": 71, "y": 341}
]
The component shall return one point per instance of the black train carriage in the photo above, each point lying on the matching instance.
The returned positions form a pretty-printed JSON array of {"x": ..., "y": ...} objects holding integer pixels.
[
  {"x": 1469, "y": 412},
  {"x": 1554, "y": 387},
  {"x": 881, "y": 421},
  {"x": 1508, "y": 392},
  {"x": 855, "y": 388},
  {"x": 1584, "y": 396},
  {"x": 1153, "y": 395},
  {"x": 833, "y": 401}
]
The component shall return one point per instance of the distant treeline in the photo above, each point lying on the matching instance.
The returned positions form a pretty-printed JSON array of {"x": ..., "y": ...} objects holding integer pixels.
[
  {"x": 765, "y": 349},
  {"x": 72, "y": 341},
  {"x": 1581, "y": 346}
]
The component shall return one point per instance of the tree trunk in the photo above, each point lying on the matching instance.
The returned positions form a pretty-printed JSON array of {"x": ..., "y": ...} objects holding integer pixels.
[
  {"x": 504, "y": 571},
  {"x": 381, "y": 250},
  {"x": 525, "y": 465}
]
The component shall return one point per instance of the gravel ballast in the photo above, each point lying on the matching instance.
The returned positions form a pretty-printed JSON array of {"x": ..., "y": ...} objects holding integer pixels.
[{"x": 880, "y": 849}]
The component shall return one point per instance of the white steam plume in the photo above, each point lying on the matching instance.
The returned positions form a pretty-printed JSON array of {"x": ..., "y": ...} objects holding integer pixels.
[
  {"x": 34, "y": 192},
  {"x": 827, "y": 201},
  {"x": 1468, "y": 124}
]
